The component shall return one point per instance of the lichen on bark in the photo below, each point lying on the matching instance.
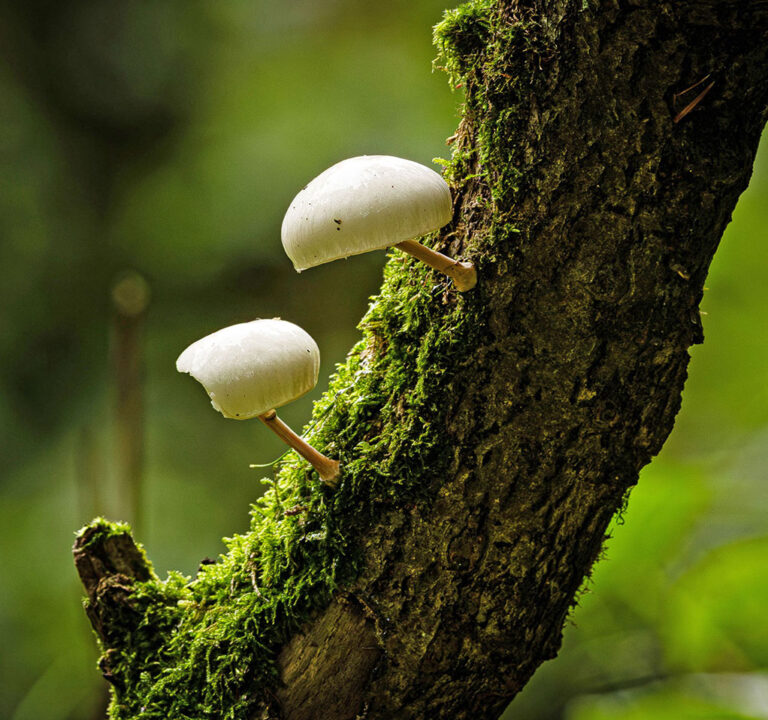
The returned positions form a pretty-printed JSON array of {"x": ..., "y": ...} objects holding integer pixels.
[{"x": 486, "y": 439}]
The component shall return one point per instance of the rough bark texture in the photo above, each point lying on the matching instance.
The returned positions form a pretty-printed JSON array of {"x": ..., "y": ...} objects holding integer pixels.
[
  {"x": 592, "y": 216},
  {"x": 592, "y": 313}
]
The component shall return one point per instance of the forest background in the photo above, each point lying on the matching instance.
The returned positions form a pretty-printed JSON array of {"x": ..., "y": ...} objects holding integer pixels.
[{"x": 167, "y": 139}]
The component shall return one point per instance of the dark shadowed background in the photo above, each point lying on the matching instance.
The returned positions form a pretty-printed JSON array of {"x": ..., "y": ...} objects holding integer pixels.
[{"x": 148, "y": 151}]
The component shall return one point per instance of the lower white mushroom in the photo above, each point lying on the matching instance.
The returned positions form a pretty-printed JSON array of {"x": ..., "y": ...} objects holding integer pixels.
[{"x": 252, "y": 368}]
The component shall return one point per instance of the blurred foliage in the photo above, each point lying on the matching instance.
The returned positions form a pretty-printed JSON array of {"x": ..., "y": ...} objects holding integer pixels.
[{"x": 168, "y": 138}]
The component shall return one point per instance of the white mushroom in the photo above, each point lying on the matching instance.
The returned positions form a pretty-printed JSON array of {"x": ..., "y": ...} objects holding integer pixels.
[
  {"x": 370, "y": 203},
  {"x": 252, "y": 368}
]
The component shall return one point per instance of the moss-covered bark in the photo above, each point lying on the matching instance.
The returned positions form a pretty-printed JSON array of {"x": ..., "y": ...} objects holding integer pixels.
[{"x": 486, "y": 439}]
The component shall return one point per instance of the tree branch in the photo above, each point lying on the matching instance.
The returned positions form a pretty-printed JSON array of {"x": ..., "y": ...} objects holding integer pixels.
[{"x": 487, "y": 440}]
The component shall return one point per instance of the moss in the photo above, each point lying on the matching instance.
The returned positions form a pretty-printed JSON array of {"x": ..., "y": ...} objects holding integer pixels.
[
  {"x": 100, "y": 530},
  {"x": 498, "y": 60},
  {"x": 203, "y": 647},
  {"x": 461, "y": 37}
]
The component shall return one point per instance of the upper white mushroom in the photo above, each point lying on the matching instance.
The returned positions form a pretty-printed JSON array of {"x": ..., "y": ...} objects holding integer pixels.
[
  {"x": 251, "y": 368},
  {"x": 363, "y": 203}
]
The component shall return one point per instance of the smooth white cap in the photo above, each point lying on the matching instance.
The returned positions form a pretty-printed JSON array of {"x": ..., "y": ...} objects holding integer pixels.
[
  {"x": 363, "y": 203},
  {"x": 250, "y": 368}
]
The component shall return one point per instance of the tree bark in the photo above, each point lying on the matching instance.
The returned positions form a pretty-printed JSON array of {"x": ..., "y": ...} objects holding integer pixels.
[{"x": 591, "y": 187}]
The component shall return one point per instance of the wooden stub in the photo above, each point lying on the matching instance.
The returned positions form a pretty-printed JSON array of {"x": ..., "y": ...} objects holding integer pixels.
[
  {"x": 108, "y": 565},
  {"x": 324, "y": 673}
]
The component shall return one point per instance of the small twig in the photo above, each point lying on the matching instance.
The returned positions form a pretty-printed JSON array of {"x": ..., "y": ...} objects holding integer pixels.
[
  {"x": 269, "y": 464},
  {"x": 693, "y": 103},
  {"x": 254, "y": 583},
  {"x": 295, "y": 510},
  {"x": 692, "y": 87}
]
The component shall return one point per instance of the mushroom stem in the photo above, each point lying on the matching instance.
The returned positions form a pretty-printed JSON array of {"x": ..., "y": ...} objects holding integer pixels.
[
  {"x": 463, "y": 274},
  {"x": 327, "y": 469}
]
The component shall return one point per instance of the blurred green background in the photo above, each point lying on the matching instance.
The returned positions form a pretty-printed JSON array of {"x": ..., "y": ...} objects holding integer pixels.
[{"x": 167, "y": 138}]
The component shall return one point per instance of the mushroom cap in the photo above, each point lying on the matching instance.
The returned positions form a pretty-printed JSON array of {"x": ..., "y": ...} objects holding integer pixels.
[
  {"x": 363, "y": 203},
  {"x": 250, "y": 368}
]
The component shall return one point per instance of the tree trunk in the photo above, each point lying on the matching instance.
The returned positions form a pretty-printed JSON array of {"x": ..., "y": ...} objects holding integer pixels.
[{"x": 486, "y": 440}]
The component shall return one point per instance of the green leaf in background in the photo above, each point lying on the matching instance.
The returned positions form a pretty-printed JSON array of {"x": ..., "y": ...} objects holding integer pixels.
[
  {"x": 716, "y": 617},
  {"x": 695, "y": 697}
]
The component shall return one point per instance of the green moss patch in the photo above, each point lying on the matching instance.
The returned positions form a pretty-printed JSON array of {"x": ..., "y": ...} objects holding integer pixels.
[
  {"x": 204, "y": 647},
  {"x": 498, "y": 57}
]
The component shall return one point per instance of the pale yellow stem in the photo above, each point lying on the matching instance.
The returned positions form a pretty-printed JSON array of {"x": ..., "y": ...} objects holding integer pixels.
[
  {"x": 463, "y": 274},
  {"x": 327, "y": 469}
]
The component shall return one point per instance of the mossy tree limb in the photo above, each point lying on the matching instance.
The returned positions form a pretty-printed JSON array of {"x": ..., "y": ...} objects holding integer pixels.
[{"x": 486, "y": 439}]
